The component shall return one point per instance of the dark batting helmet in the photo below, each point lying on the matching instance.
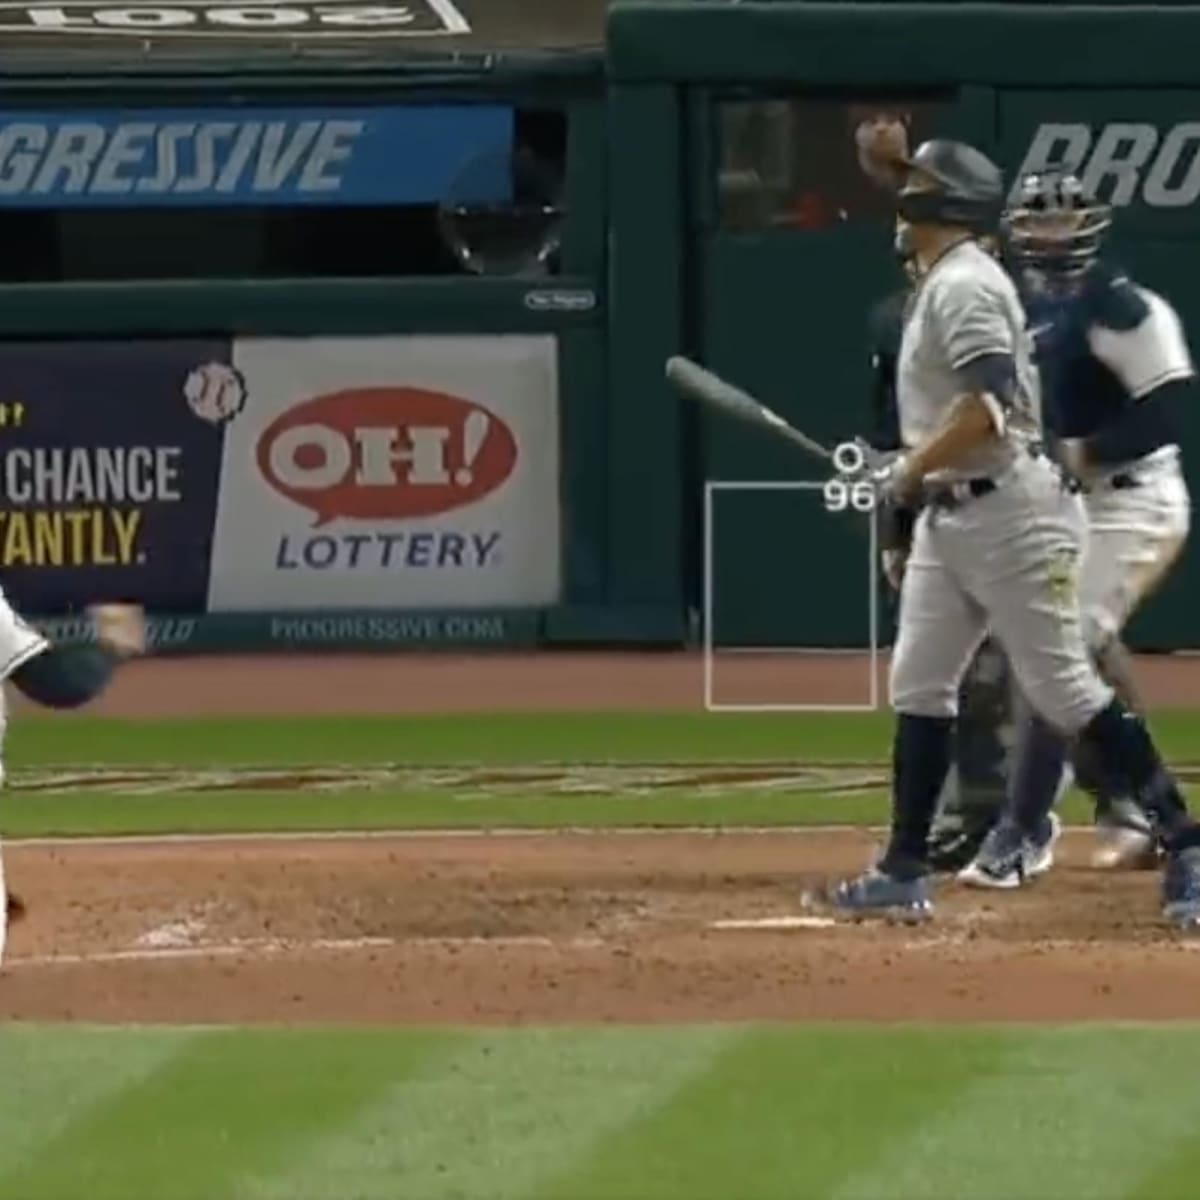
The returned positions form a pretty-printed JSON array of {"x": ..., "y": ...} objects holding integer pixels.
[
  {"x": 951, "y": 183},
  {"x": 1053, "y": 226}
]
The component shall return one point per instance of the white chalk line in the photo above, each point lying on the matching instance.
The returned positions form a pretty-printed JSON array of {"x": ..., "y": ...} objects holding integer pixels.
[
  {"x": 251, "y": 948},
  {"x": 83, "y": 841}
]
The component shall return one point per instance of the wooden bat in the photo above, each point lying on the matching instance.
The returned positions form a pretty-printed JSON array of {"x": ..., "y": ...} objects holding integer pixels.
[{"x": 698, "y": 383}]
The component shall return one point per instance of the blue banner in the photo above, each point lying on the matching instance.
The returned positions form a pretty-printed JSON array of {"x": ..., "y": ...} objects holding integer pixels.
[
  {"x": 246, "y": 156},
  {"x": 110, "y": 461}
]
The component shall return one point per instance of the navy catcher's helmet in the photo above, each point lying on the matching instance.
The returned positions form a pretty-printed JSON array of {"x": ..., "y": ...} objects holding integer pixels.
[
  {"x": 955, "y": 185},
  {"x": 1053, "y": 226}
]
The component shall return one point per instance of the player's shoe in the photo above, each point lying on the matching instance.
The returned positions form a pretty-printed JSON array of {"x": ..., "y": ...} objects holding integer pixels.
[
  {"x": 1181, "y": 888},
  {"x": 878, "y": 894},
  {"x": 120, "y": 627},
  {"x": 14, "y": 907},
  {"x": 1124, "y": 837},
  {"x": 1009, "y": 857}
]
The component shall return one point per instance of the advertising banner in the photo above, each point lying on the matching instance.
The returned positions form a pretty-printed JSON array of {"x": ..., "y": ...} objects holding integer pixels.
[
  {"x": 388, "y": 472},
  {"x": 248, "y": 156},
  {"x": 108, "y": 479}
]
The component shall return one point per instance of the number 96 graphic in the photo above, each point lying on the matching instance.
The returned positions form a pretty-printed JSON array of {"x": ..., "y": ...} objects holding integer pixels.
[
  {"x": 845, "y": 492},
  {"x": 840, "y": 495}
]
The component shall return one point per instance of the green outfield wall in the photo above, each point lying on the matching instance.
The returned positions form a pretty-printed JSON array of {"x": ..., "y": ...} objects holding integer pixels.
[{"x": 715, "y": 206}]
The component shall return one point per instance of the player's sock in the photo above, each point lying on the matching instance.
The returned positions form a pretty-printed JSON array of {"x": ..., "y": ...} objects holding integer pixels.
[
  {"x": 920, "y": 761},
  {"x": 67, "y": 676},
  {"x": 1041, "y": 755},
  {"x": 1132, "y": 766}
]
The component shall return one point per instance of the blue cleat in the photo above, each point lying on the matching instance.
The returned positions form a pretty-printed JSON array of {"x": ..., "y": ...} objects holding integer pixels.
[
  {"x": 877, "y": 894},
  {"x": 1009, "y": 858},
  {"x": 1181, "y": 888}
]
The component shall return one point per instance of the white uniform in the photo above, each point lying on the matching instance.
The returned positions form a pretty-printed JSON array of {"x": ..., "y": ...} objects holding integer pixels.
[
  {"x": 1009, "y": 556},
  {"x": 1135, "y": 530}
]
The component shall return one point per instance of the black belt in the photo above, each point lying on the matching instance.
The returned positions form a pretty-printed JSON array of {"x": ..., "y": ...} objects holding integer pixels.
[
  {"x": 952, "y": 495},
  {"x": 1121, "y": 481}
]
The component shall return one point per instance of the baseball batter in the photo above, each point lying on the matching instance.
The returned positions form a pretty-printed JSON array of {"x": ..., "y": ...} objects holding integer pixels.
[
  {"x": 1115, "y": 366},
  {"x": 975, "y": 790},
  {"x": 59, "y": 677},
  {"x": 996, "y": 545}
]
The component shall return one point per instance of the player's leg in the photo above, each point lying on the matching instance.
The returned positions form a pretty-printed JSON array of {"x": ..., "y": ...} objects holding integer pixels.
[
  {"x": 974, "y": 793},
  {"x": 1124, "y": 832},
  {"x": 1136, "y": 534},
  {"x": 1025, "y": 569},
  {"x": 939, "y": 631},
  {"x": 1020, "y": 845}
]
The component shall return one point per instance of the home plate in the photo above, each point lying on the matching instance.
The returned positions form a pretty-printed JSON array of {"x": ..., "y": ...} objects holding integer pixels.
[{"x": 776, "y": 923}]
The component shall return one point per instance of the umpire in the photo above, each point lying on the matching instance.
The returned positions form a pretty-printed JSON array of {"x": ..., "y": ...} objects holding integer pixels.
[{"x": 975, "y": 788}]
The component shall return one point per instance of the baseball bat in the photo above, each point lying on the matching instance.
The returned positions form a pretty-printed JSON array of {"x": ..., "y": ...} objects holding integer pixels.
[{"x": 698, "y": 383}]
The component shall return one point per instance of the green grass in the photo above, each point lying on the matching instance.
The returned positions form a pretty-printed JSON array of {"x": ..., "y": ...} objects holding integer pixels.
[
  {"x": 488, "y": 738},
  {"x": 41, "y": 742},
  {"x": 712, "y": 1112},
  {"x": 484, "y": 737},
  {"x": 703, "y": 1113},
  {"x": 116, "y": 814}
]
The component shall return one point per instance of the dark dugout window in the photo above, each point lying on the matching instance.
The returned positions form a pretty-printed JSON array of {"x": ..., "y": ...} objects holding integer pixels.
[{"x": 803, "y": 162}]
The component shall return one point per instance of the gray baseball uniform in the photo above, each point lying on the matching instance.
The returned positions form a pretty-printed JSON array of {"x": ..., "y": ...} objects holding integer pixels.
[{"x": 1000, "y": 545}]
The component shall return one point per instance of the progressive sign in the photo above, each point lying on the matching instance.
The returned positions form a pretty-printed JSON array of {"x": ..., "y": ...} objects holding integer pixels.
[{"x": 123, "y": 158}]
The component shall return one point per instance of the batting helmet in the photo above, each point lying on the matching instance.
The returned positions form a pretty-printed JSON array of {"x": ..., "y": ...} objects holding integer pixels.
[
  {"x": 955, "y": 184},
  {"x": 1052, "y": 225}
]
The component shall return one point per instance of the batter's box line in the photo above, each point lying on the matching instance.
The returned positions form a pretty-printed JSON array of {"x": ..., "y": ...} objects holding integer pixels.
[
  {"x": 708, "y": 602},
  {"x": 276, "y": 948}
]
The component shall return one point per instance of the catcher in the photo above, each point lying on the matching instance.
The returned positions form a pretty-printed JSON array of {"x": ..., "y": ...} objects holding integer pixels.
[{"x": 1115, "y": 370}]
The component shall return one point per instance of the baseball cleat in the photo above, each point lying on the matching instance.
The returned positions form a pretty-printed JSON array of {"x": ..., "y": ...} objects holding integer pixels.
[
  {"x": 1010, "y": 858},
  {"x": 14, "y": 906},
  {"x": 878, "y": 894},
  {"x": 1039, "y": 851},
  {"x": 120, "y": 627},
  {"x": 1181, "y": 889},
  {"x": 1125, "y": 838}
]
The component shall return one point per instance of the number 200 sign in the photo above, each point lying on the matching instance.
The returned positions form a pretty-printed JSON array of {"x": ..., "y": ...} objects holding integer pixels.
[{"x": 844, "y": 493}]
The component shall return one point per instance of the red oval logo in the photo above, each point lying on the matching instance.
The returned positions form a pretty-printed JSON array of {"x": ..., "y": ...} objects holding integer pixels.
[{"x": 386, "y": 452}]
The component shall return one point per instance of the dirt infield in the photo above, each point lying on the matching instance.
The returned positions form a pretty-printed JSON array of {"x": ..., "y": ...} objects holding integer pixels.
[
  {"x": 512, "y": 928},
  {"x": 507, "y": 928}
]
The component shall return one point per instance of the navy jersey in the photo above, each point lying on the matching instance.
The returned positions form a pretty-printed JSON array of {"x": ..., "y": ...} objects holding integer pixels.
[{"x": 1109, "y": 358}]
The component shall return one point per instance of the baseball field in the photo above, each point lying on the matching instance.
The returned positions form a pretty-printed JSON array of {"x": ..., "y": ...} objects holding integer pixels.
[{"x": 434, "y": 928}]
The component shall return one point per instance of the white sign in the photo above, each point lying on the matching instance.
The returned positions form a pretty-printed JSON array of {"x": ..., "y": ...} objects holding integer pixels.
[
  {"x": 233, "y": 19},
  {"x": 391, "y": 472},
  {"x": 1123, "y": 160}
]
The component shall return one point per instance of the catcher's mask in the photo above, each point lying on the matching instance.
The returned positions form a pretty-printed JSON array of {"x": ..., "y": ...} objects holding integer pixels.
[
  {"x": 951, "y": 183},
  {"x": 1053, "y": 230}
]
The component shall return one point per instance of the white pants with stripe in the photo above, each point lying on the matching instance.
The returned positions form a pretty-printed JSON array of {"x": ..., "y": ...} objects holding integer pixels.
[{"x": 1134, "y": 537}]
